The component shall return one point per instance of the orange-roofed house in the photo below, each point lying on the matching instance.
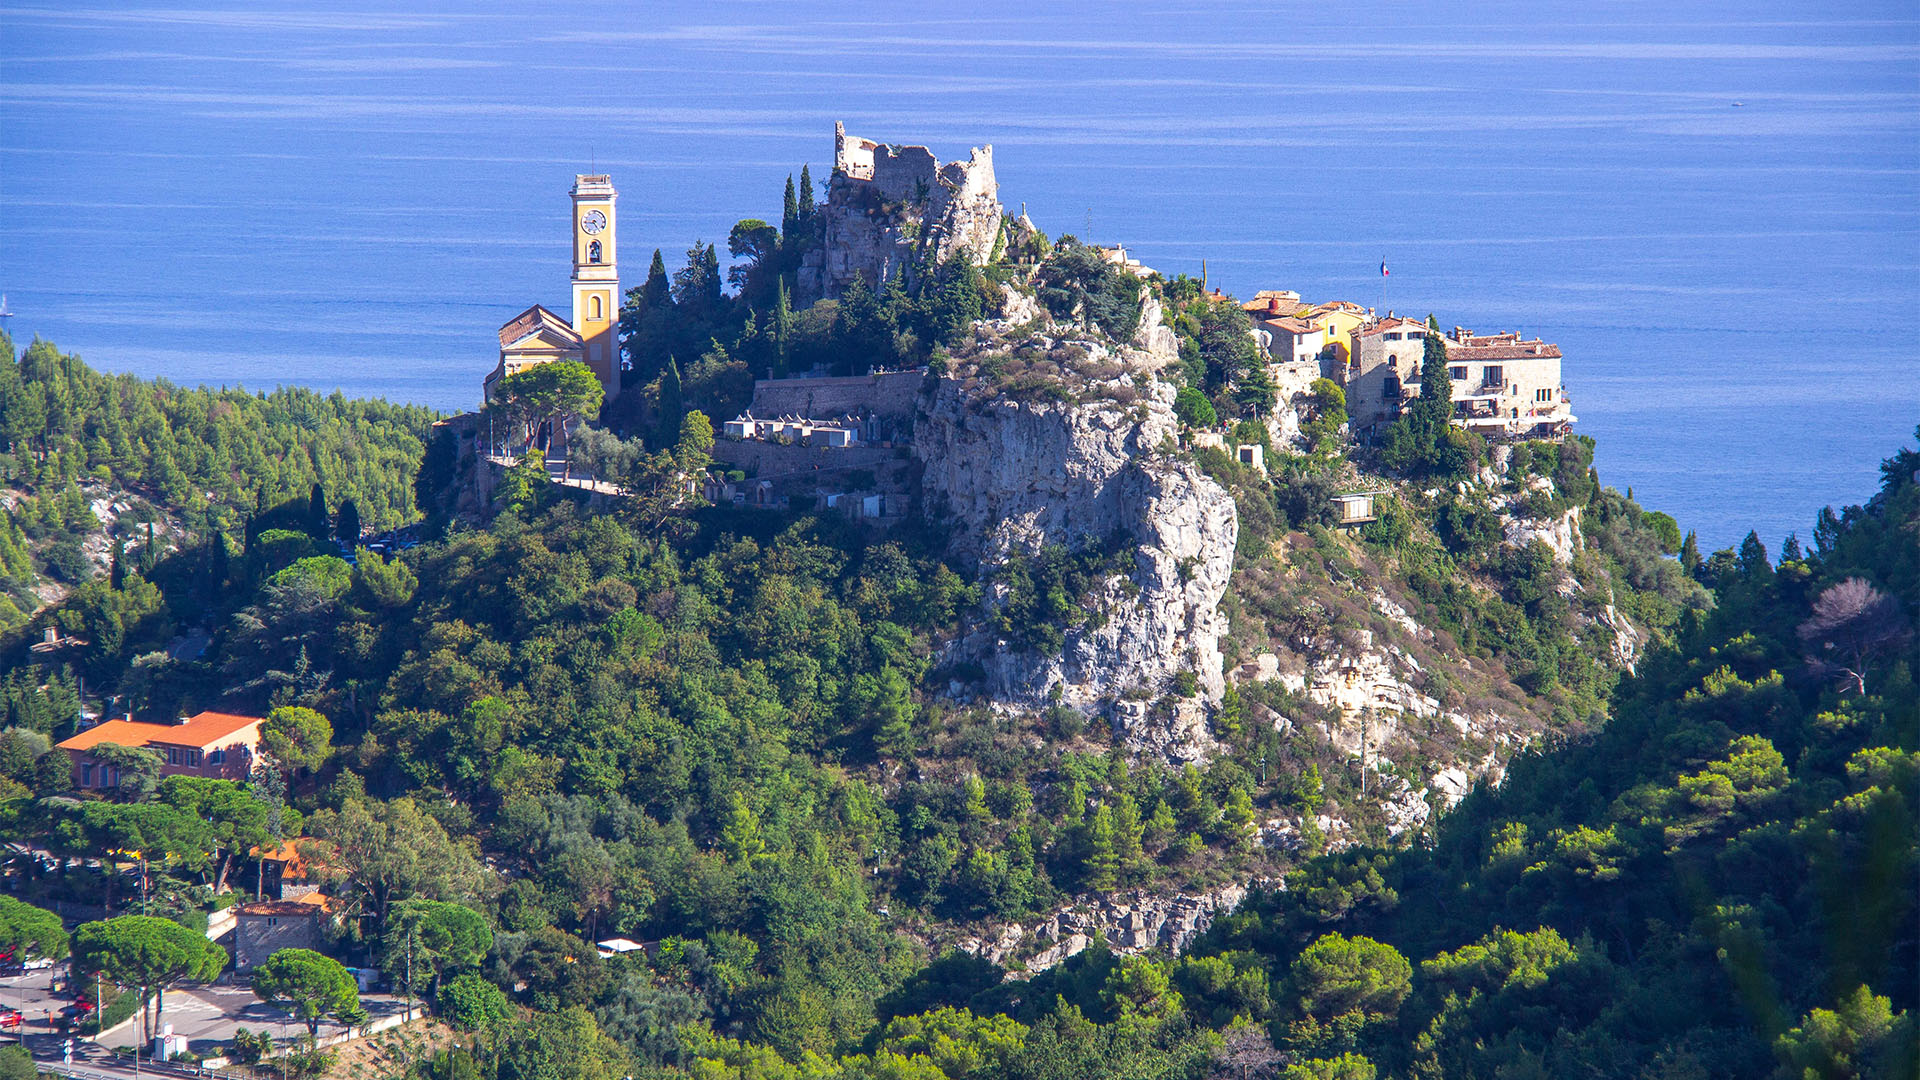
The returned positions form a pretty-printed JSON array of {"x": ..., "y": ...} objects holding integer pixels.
[{"x": 211, "y": 744}]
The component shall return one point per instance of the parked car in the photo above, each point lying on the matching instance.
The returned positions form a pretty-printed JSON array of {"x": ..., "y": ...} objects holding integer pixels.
[{"x": 11, "y": 1018}]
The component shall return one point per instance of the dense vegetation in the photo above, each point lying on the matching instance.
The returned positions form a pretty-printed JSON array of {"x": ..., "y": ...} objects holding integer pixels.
[
  {"x": 724, "y": 733},
  {"x": 206, "y": 459}
]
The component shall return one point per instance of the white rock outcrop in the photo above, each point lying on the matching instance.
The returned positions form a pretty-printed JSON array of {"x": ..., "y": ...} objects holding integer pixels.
[
  {"x": 1133, "y": 922},
  {"x": 1012, "y": 477}
]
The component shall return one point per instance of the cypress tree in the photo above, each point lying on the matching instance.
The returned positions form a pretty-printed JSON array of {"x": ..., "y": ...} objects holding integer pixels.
[
  {"x": 318, "y": 519},
  {"x": 782, "y": 328},
  {"x": 217, "y": 562},
  {"x": 671, "y": 404},
  {"x": 804, "y": 207},
  {"x": 346, "y": 524},
  {"x": 789, "y": 216},
  {"x": 1690, "y": 553},
  {"x": 116, "y": 567},
  {"x": 657, "y": 293}
]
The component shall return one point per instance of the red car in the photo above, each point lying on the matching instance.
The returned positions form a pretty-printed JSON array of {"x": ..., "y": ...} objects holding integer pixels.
[{"x": 11, "y": 1018}]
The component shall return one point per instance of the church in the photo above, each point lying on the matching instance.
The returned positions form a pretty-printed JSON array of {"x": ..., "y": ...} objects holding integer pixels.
[{"x": 538, "y": 336}]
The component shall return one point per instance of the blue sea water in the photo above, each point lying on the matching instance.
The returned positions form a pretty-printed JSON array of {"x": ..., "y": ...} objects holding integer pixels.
[{"x": 1712, "y": 207}]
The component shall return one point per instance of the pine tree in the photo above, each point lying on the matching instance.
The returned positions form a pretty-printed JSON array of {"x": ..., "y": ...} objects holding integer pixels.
[
  {"x": 975, "y": 807},
  {"x": 1103, "y": 861},
  {"x": 1307, "y": 790},
  {"x": 740, "y": 838},
  {"x": 1128, "y": 833}
]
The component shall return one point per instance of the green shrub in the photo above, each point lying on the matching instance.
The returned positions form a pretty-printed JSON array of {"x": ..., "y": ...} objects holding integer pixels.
[
  {"x": 1194, "y": 409},
  {"x": 471, "y": 1002}
]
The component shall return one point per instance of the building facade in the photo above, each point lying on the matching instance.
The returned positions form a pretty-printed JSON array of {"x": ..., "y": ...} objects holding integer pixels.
[
  {"x": 263, "y": 928},
  {"x": 1385, "y": 373},
  {"x": 1503, "y": 385},
  {"x": 538, "y": 336},
  {"x": 210, "y": 744},
  {"x": 596, "y": 279}
]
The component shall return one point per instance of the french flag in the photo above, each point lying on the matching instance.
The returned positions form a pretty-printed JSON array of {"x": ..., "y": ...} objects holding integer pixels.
[{"x": 1383, "y": 270}]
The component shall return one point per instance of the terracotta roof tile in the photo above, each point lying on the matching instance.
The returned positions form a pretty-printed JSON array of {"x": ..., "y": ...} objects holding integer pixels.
[
  {"x": 204, "y": 730},
  {"x": 534, "y": 319}
]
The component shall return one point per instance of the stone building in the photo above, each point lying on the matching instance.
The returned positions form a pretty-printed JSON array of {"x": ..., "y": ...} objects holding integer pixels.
[
  {"x": 1384, "y": 373},
  {"x": 1503, "y": 385},
  {"x": 211, "y": 744},
  {"x": 891, "y": 207},
  {"x": 265, "y": 927}
]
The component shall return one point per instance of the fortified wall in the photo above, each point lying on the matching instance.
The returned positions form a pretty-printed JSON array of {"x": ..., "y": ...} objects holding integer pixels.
[
  {"x": 892, "y": 395},
  {"x": 889, "y": 207}
]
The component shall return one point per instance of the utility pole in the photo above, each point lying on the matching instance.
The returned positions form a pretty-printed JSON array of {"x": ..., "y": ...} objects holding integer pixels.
[{"x": 409, "y": 972}]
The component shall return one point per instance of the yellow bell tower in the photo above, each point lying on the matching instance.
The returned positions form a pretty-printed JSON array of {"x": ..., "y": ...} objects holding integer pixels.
[{"x": 596, "y": 281}]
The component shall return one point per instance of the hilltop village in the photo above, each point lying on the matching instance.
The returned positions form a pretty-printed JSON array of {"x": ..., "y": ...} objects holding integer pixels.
[
  {"x": 912, "y": 645},
  {"x": 892, "y": 211}
]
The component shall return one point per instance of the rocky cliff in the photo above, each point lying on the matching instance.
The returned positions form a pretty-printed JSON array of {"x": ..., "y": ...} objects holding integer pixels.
[
  {"x": 1132, "y": 922},
  {"x": 1014, "y": 476}
]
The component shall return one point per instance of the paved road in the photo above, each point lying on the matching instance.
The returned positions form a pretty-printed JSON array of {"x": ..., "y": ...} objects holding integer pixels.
[{"x": 206, "y": 1015}]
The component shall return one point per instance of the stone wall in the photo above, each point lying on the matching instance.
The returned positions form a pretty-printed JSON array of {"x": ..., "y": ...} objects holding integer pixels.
[
  {"x": 803, "y": 464},
  {"x": 892, "y": 395},
  {"x": 890, "y": 208}
]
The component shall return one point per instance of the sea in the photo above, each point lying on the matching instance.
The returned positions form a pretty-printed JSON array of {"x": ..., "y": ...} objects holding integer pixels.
[{"x": 1710, "y": 206}]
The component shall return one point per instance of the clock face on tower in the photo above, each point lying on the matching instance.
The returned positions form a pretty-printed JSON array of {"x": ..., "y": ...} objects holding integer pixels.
[{"x": 593, "y": 222}]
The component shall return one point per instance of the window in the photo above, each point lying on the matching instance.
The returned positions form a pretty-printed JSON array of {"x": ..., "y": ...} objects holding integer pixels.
[
  {"x": 1457, "y": 374},
  {"x": 86, "y": 774},
  {"x": 593, "y": 252},
  {"x": 1389, "y": 337},
  {"x": 1491, "y": 375},
  {"x": 217, "y": 757},
  {"x": 1543, "y": 395}
]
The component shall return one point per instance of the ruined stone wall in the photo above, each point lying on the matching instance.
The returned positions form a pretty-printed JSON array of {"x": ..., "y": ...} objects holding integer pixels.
[
  {"x": 775, "y": 461},
  {"x": 889, "y": 207},
  {"x": 893, "y": 395},
  {"x": 901, "y": 173}
]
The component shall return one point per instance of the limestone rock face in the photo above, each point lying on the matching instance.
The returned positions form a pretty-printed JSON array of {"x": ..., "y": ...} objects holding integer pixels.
[
  {"x": 1293, "y": 386},
  {"x": 1133, "y": 922},
  {"x": 1562, "y": 533},
  {"x": 888, "y": 207},
  {"x": 1014, "y": 476}
]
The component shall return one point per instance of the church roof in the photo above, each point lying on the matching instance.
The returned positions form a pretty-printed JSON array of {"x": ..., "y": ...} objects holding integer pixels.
[{"x": 535, "y": 320}]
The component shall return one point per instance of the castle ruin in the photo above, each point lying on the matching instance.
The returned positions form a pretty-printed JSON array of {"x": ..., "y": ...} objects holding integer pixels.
[{"x": 892, "y": 209}]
